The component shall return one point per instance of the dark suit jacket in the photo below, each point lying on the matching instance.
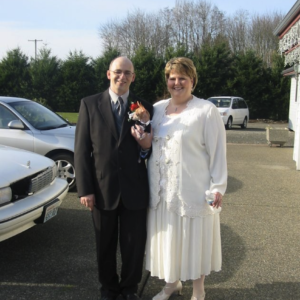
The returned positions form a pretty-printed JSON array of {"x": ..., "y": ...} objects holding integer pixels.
[{"x": 106, "y": 164}]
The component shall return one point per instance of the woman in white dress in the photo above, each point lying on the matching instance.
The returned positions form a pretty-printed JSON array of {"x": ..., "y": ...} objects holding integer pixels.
[{"x": 187, "y": 176}]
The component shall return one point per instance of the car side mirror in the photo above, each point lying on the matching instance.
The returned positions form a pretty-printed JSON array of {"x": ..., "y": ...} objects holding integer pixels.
[{"x": 15, "y": 124}]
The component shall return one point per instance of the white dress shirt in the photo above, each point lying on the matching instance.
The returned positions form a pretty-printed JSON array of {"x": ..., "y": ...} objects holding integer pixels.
[{"x": 114, "y": 98}]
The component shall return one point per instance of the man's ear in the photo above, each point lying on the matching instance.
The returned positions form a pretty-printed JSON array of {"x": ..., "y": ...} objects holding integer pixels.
[
  {"x": 108, "y": 74},
  {"x": 133, "y": 78}
]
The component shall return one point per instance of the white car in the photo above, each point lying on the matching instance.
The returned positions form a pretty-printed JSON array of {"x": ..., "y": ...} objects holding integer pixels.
[
  {"x": 28, "y": 125},
  {"x": 30, "y": 192},
  {"x": 233, "y": 110}
]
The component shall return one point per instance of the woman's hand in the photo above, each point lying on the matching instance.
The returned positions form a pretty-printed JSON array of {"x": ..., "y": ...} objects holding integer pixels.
[
  {"x": 218, "y": 200},
  {"x": 143, "y": 138}
]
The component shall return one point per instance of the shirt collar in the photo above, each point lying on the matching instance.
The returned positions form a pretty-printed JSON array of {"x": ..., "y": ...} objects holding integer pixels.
[{"x": 114, "y": 97}]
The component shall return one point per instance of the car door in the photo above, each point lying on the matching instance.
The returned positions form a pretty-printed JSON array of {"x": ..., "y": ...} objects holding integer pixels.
[
  {"x": 243, "y": 108},
  {"x": 19, "y": 138},
  {"x": 235, "y": 111}
]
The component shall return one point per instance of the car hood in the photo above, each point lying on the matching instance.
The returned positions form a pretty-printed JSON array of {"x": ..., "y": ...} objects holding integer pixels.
[
  {"x": 16, "y": 164},
  {"x": 222, "y": 109},
  {"x": 68, "y": 131}
]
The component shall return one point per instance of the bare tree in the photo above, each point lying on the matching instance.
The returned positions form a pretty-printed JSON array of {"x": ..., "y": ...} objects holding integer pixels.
[
  {"x": 137, "y": 29},
  {"x": 188, "y": 24},
  {"x": 192, "y": 24},
  {"x": 162, "y": 32},
  {"x": 262, "y": 39},
  {"x": 237, "y": 30},
  {"x": 109, "y": 35},
  {"x": 196, "y": 23}
]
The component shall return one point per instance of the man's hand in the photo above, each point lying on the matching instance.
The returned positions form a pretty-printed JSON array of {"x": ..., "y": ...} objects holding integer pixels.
[
  {"x": 88, "y": 201},
  {"x": 144, "y": 139}
]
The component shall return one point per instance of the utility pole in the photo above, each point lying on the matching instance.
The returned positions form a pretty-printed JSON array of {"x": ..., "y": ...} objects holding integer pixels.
[{"x": 35, "y": 41}]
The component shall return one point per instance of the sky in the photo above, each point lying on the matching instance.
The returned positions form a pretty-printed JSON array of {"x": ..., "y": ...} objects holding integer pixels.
[{"x": 69, "y": 25}]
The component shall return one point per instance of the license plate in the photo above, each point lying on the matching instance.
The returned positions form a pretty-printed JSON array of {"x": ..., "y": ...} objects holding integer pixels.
[{"x": 50, "y": 211}]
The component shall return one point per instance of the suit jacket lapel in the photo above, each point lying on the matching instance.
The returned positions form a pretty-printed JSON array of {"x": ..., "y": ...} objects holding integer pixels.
[{"x": 107, "y": 114}]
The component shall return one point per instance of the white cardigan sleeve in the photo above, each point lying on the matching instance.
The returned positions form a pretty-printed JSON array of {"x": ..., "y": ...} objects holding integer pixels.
[{"x": 215, "y": 140}]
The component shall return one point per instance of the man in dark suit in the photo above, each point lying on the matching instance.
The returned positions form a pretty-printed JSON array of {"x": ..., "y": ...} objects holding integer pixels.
[{"x": 112, "y": 179}]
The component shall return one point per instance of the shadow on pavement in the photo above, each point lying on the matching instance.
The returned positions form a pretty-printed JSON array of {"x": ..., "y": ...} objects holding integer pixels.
[{"x": 233, "y": 185}]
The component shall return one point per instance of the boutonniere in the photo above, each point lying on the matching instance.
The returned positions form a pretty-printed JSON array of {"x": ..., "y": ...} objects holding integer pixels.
[
  {"x": 132, "y": 107},
  {"x": 139, "y": 114}
]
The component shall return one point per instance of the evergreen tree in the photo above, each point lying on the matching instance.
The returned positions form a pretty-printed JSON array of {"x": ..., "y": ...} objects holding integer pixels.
[
  {"x": 149, "y": 83},
  {"x": 179, "y": 51},
  {"x": 249, "y": 82},
  {"x": 46, "y": 78},
  {"x": 14, "y": 74},
  {"x": 78, "y": 81},
  {"x": 279, "y": 87},
  {"x": 214, "y": 69}
]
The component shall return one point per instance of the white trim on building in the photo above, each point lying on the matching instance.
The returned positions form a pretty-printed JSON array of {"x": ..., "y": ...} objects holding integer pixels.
[
  {"x": 288, "y": 32},
  {"x": 293, "y": 104},
  {"x": 296, "y": 152}
]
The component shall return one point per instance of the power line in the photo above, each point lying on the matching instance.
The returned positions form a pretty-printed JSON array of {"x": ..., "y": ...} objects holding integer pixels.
[{"x": 35, "y": 42}]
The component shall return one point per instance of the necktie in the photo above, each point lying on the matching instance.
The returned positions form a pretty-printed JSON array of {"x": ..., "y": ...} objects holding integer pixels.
[
  {"x": 120, "y": 106},
  {"x": 119, "y": 113}
]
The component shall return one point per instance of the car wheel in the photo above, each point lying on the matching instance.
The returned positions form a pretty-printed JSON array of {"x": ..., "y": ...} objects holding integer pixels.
[
  {"x": 245, "y": 123},
  {"x": 65, "y": 168},
  {"x": 229, "y": 123}
]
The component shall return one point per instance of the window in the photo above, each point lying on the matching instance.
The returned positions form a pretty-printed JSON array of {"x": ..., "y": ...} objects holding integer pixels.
[
  {"x": 235, "y": 104},
  {"x": 5, "y": 117},
  {"x": 38, "y": 116},
  {"x": 242, "y": 103}
]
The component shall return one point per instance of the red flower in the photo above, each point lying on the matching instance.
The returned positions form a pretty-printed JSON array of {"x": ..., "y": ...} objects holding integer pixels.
[{"x": 133, "y": 107}]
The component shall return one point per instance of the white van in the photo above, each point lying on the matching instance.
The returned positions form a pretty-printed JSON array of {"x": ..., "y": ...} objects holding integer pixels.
[{"x": 233, "y": 110}]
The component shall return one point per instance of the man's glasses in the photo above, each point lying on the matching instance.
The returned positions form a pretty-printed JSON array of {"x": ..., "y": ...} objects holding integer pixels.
[{"x": 119, "y": 73}]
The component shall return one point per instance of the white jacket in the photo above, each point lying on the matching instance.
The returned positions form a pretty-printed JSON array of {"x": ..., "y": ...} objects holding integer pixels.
[{"x": 189, "y": 159}]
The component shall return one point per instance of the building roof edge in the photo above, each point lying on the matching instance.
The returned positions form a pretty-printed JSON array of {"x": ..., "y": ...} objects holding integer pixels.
[{"x": 294, "y": 11}]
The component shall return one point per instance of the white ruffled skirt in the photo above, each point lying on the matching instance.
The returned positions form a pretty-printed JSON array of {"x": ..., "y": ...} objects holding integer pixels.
[{"x": 181, "y": 247}]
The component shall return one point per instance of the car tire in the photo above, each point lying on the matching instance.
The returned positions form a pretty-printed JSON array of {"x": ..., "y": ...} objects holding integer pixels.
[
  {"x": 245, "y": 123},
  {"x": 65, "y": 168},
  {"x": 229, "y": 123}
]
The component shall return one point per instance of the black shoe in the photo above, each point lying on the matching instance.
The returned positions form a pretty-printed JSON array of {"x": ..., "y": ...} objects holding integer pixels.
[{"x": 131, "y": 297}]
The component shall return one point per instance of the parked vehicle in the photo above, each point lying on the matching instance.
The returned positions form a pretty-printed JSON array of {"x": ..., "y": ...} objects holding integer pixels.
[
  {"x": 30, "y": 192},
  {"x": 233, "y": 110},
  {"x": 31, "y": 126}
]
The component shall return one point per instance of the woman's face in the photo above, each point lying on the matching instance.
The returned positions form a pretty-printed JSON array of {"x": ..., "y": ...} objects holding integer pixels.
[{"x": 179, "y": 85}]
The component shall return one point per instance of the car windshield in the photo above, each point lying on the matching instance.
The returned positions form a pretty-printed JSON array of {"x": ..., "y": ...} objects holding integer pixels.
[
  {"x": 39, "y": 116},
  {"x": 220, "y": 102}
]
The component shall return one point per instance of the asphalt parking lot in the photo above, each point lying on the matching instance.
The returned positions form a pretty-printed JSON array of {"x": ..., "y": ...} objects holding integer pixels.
[
  {"x": 55, "y": 260},
  {"x": 256, "y": 133},
  {"x": 259, "y": 224}
]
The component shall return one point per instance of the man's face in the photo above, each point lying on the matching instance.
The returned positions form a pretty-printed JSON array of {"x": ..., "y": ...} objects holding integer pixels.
[{"x": 120, "y": 75}]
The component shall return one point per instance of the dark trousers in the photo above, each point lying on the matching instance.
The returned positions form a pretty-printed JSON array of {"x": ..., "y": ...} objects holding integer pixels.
[{"x": 130, "y": 227}]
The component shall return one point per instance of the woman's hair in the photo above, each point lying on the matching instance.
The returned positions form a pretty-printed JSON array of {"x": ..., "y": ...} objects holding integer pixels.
[{"x": 184, "y": 66}]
